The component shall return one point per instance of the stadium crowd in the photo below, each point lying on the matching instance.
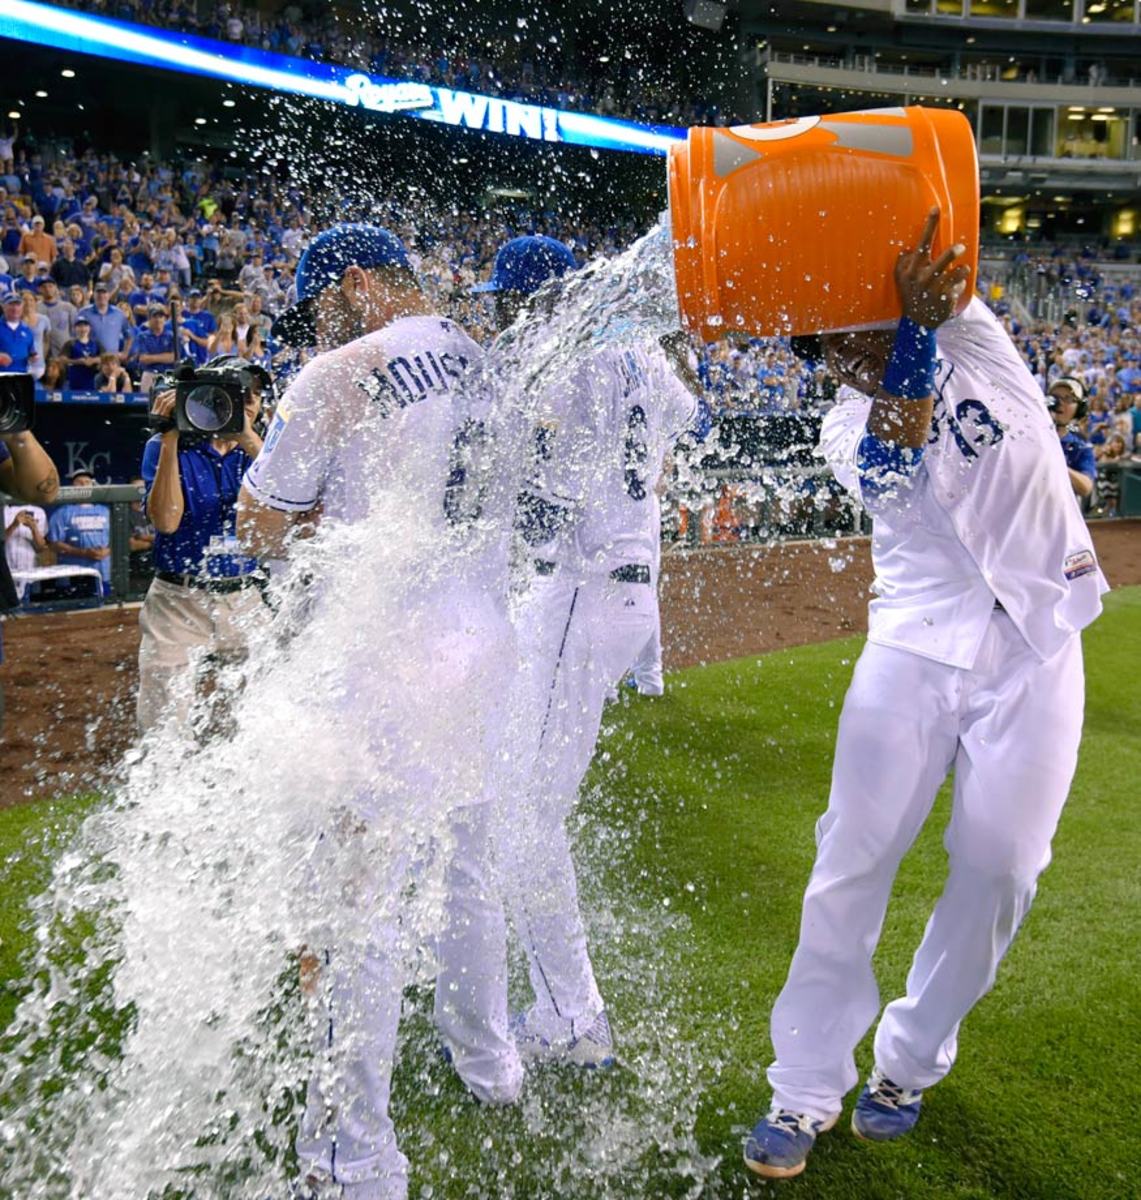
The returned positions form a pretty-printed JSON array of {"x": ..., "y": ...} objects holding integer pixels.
[
  {"x": 95, "y": 251},
  {"x": 505, "y": 65}
]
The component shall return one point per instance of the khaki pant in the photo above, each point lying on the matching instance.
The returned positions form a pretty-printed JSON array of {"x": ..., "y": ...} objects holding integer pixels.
[{"x": 179, "y": 626}]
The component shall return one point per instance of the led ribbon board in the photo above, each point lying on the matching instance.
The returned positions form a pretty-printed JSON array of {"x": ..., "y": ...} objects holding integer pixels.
[{"x": 63, "y": 29}]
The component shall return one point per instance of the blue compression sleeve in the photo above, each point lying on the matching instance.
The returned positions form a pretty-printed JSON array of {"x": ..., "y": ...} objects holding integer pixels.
[{"x": 910, "y": 371}]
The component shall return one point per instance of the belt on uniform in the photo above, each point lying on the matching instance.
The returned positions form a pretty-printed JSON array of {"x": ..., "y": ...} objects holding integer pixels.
[
  {"x": 209, "y": 583},
  {"x": 631, "y": 573}
]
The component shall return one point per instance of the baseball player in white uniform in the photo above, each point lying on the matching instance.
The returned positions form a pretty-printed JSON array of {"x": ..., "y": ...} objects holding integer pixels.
[
  {"x": 390, "y": 413},
  {"x": 591, "y": 524},
  {"x": 985, "y": 576}
]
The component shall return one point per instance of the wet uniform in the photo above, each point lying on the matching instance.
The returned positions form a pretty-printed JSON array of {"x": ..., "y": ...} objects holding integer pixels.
[
  {"x": 389, "y": 420},
  {"x": 592, "y": 523},
  {"x": 985, "y": 576}
]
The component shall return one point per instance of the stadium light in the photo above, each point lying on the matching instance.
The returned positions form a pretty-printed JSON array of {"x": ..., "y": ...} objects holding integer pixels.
[
  {"x": 75, "y": 32},
  {"x": 67, "y": 73},
  {"x": 14, "y": 115}
]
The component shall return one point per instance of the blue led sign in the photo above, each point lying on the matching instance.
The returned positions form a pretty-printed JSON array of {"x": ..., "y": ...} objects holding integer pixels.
[{"x": 64, "y": 29}]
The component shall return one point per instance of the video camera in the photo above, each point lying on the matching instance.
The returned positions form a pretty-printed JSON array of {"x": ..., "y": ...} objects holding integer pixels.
[
  {"x": 17, "y": 402},
  {"x": 209, "y": 400}
]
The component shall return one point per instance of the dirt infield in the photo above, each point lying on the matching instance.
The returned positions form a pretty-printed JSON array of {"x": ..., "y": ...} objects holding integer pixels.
[{"x": 70, "y": 677}]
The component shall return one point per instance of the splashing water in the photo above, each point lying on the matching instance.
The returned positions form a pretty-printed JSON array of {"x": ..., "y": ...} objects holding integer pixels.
[
  {"x": 162, "y": 1045},
  {"x": 611, "y": 301}
]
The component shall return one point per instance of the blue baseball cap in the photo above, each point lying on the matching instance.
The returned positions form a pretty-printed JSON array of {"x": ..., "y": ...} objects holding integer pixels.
[
  {"x": 324, "y": 263},
  {"x": 524, "y": 264}
]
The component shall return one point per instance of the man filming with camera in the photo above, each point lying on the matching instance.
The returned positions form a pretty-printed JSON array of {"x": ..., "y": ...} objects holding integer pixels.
[{"x": 204, "y": 595}]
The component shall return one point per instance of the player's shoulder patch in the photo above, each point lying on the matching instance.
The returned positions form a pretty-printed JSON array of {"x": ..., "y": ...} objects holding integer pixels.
[
  {"x": 273, "y": 435},
  {"x": 1081, "y": 562}
]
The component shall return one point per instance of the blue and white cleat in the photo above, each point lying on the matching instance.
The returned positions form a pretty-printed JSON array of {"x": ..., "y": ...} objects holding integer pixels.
[
  {"x": 885, "y": 1110},
  {"x": 553, "y": 1039},
  {"x": 779, "y": 1144}
]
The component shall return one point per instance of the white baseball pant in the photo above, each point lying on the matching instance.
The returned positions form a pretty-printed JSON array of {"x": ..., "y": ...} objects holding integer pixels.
[
  {"x": 347, "y": 1134},
  {"x": 178, "y": 623},
  {"x": 1010, "y": 728},
  {"x": 430, "y": 713},
  {"x": 577, "y": 638},
  {"x": 647, "y": 668}
]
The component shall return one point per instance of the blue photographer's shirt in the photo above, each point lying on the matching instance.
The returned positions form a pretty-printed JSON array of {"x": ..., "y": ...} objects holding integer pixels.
[
  {"x": 210, "y": 483},
  {"x": 1079, "y": 455}
]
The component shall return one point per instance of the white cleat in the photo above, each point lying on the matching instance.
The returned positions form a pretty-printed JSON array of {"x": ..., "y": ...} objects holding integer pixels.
[{"x": 553, "y": 1039}]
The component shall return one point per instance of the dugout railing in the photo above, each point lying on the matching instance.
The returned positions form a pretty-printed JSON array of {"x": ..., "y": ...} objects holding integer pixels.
[{"x": 118, "y": 498}]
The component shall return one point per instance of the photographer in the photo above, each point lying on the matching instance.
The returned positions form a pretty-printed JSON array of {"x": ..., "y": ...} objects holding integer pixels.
[
  {"x": 1067, "y": 405},
  {"x": 200, "y": 602},
  {"x": 29, "y": 475}
]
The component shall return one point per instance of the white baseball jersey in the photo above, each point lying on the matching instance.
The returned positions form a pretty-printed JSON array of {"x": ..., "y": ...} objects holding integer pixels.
[
  {"x": 988, "y": 515},
  {"x": 401, "y": 411},
  {"x": 614, "y": 421}
]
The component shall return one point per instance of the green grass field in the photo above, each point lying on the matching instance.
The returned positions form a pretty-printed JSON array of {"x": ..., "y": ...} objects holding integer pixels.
[{"x": 697, "y": 837}]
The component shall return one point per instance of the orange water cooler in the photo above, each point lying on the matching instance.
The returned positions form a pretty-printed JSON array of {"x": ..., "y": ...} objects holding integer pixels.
[{"x": 794, "y": 227}]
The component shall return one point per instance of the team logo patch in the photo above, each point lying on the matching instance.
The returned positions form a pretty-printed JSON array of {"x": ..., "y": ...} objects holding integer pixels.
[
  {"x": 1081, "y": 563},
  {"x": 274, "y": 434}
]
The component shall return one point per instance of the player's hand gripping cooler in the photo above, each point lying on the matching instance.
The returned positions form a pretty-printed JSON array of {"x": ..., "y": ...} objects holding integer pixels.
[{"x": 793, "y": 227}]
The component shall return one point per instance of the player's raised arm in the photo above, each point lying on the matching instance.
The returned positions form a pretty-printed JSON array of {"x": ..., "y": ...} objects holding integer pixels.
[{"x": 929, "y": 291}]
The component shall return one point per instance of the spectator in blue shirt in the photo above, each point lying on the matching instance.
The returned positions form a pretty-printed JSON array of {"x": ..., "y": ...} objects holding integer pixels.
[
  {"x": 160, "y": 289},
  {"x": 197, "y": 325},
  {"x": 80, "y": 534},
  {"x": 142, "y": 297},
  {"x": 82, "y": 357},
  {"x": 139, "y": 255},
  {"x": 12, "y": 235},
  {"x": 153, "y": 349},
  {"x": 17, "y": 341},
  {"x": 108, "y": 324},
  {"x": 28, "y": 280},
  {"x": 1067, "y": 404}
]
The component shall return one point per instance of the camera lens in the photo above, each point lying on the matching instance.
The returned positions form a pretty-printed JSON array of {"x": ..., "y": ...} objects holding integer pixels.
[
  {"x": 209, "y": 408},
  {"x": 9, "y": 417},
  {"x": 17, "y": 402}
]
